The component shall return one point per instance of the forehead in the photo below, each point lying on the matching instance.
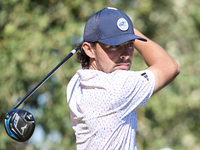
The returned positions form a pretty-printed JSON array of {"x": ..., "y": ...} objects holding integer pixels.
[{"x": 105, "y": 45}]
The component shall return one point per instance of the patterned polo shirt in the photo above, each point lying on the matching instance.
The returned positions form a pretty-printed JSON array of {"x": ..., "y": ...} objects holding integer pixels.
[{"x": 103, "y": 107}]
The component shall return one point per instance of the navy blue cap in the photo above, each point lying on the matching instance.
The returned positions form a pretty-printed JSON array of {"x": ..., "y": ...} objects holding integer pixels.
[{"x": 111, "y": 27}]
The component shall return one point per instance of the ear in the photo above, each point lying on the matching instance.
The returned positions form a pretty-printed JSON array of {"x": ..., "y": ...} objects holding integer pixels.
[{"x": 89, "y": 50}]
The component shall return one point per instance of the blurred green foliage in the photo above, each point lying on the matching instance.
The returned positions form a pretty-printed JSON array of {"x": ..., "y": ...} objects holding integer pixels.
[{"x": 35, "y": 35}]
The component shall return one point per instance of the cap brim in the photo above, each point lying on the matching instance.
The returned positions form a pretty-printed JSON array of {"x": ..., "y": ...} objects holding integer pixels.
[{"x": 121, "y": 39}]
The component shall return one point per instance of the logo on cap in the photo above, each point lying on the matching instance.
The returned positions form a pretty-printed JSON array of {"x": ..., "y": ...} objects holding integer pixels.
[{"x": 122, "y": 24}]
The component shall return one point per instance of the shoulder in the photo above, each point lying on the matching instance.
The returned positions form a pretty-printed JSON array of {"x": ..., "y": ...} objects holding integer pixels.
[
  {"x": 134, "y": 75},
  {"x": 130, "y": 79}
]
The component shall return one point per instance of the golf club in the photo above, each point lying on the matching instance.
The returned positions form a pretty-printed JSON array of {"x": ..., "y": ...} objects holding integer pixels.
[{"x": 20, "y": 124}]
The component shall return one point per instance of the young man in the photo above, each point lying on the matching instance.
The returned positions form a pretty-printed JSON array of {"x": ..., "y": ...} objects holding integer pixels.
[{"x": 104, "y": 94}]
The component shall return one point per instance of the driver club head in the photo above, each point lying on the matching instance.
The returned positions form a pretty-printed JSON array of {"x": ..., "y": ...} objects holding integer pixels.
[{"x": 19, "y": 124}]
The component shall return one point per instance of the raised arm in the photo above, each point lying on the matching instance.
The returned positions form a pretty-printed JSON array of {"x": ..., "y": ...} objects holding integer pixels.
[{"x": 158, "y": 61}]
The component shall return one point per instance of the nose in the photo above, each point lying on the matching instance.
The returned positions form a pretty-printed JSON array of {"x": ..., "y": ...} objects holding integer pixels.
[{"x": 125, "y": 52}]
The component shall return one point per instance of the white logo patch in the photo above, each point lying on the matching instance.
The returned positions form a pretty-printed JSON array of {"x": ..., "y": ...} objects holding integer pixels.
[
  {"x": 122, "y": 24},
  {"x": 112, "y": 8}
]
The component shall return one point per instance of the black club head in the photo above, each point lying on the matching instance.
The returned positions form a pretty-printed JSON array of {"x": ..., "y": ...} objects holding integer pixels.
[{"x": 19, "y": 124}]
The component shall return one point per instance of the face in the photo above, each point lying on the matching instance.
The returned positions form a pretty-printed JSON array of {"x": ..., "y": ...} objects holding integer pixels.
[{"x": 110, "y": 58}]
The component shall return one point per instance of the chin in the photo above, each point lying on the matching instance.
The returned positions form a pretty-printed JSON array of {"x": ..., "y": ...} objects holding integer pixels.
[{"x": 126, "y": 69}]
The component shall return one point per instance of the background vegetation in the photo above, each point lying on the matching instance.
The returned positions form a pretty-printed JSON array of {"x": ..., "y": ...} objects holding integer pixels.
[{"x": 35, "y": 35}]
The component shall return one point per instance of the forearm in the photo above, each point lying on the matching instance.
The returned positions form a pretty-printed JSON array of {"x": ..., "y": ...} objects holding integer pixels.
[
  {"x": 150, "y": 51},
  {"x": 158, "y": 61}
]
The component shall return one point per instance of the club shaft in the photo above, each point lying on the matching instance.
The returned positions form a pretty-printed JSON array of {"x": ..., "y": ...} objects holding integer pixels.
[{"x": 47, "y": 77}]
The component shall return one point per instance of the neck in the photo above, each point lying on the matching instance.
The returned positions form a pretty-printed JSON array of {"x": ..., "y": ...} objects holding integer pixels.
[{"x": 92, "y": 65}]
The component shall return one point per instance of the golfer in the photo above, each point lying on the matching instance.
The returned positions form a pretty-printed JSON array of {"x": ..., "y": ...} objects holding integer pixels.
[{"x": 104, "y": 94}]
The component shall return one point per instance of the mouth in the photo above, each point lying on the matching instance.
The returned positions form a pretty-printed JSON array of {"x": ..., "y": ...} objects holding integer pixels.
[{"x": 123, "y": 66}]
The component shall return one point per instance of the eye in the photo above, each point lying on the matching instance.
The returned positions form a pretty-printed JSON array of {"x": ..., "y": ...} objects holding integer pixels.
[{"x": 130, "y": 44}]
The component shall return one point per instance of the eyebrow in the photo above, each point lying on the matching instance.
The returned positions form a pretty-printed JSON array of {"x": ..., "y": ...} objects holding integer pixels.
[{"x": 123, "y": 43}]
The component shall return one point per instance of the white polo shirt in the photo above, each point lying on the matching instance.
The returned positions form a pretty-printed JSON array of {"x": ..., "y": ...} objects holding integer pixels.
[{"x": 103, "y": 107}]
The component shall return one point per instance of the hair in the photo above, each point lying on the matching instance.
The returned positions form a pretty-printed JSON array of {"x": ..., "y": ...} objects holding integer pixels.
[{"x": 82, "y": 57}]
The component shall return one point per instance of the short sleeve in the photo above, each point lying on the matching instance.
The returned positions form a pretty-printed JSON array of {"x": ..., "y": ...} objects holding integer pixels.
[
  {"x": 149, "y": 85},
  {"x": 132, "y": 89}
]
